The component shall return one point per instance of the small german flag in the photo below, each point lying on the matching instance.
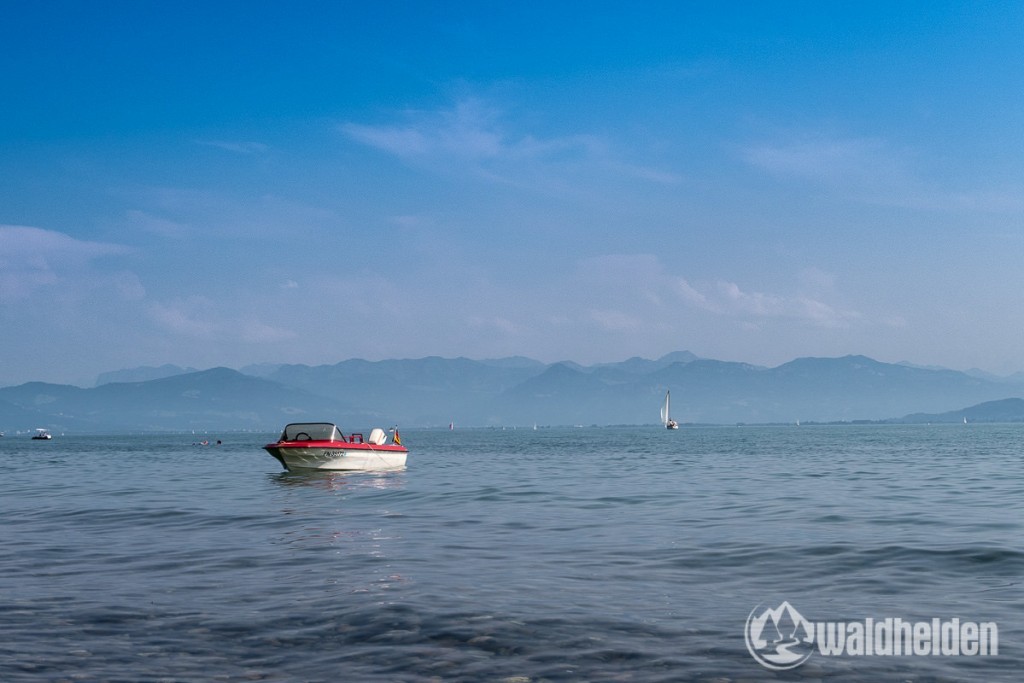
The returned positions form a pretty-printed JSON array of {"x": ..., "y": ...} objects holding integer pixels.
[{"x": 397, "y": 438}]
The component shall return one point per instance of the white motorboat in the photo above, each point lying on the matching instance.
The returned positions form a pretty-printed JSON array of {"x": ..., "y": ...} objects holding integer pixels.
[{"x": 323, "y": 446}]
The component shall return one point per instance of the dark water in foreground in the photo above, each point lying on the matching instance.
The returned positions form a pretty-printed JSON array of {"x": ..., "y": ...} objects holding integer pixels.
[{"x": 562, "y": 555}]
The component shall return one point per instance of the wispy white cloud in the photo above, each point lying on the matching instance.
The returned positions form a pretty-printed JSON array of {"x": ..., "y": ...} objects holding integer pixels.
[
  {"x": 203, "y": 319},
  {"x": 33, "y": 258},
  {"x": 236, "y": 147},
  {"x": 468, "y": 131},
  {"x": 873, "y": 170},
  {"x": 187, "y": 318},
  {"x": 637, "y": 290},
  {"x": 156, "y": 225},
  {"x": 653, "y": 175},
  {"x": 728, "y": 298},
  {"x": 258, "y": 332},
  {"x": 182, "y": 213},
  {"x": 128, "y": 286},
  {"x": 816, "y": 279},
  {"x": 1003, "y": 200},
  {"x": 691, "y": 295},
  {"x": 475, "y": 135},
  {"x": 403, "y": 142},
  {"x": 411, "y": 222},
  {"x": 499, "y": 324},
  {"x": 824, "y": 158},
  {"x": 614, "y": 320}
]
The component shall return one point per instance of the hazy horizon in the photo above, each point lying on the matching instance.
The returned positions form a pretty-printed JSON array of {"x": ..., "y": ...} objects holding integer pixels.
[
  {"x": 235, "y": 184},
  {"x": 251, "y": 367}
]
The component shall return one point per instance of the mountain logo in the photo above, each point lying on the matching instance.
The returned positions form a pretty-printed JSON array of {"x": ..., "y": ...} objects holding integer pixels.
[{"x": 780, "y": 638}]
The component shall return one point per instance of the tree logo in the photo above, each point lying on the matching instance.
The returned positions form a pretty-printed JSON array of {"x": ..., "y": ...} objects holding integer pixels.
[{"x": 780, "y": 638}]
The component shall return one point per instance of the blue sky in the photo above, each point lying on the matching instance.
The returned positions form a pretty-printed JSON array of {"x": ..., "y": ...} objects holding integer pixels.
[{"x": 241, "y": 182}]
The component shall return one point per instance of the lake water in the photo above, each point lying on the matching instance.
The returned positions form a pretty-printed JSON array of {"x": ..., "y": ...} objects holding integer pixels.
[{"x": 601, "y": 554}]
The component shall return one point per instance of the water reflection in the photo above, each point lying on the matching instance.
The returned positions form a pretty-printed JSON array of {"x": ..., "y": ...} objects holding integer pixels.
[
  {"x": 345, "y": 539},
  {"x": 334, "y": 480}
]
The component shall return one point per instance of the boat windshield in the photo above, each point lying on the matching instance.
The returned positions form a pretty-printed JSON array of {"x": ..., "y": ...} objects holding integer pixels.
[{"x": 312, "y": 431}]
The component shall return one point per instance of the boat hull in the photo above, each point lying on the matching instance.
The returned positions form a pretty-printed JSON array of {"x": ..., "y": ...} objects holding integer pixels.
[{"x": 311, "y": 456}]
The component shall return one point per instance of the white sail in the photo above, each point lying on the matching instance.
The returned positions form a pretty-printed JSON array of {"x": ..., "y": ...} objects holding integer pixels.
[{"x": 666, "y": 415}]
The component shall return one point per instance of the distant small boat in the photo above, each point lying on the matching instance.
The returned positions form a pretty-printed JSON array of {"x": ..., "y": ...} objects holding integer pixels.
[
  {"x": 322, "y": 446},
  {"x": 42, "y": 435},
  {"x": 666, "y": 418}
]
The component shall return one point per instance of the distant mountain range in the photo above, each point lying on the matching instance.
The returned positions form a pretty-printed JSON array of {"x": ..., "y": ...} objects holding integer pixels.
[
  {"x": 142, "y": 374},
  {"x": 1006, "y": 410},
  {"x": 434, "y": 391}
]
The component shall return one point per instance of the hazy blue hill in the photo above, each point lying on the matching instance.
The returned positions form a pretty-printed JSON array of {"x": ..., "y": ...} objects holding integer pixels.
[
  {"x": 632, "y": 366},
  {"x": 643, "y": 366},
  {"x": 709, "y": 391},
  {"x": 424, "y": 391},
  {"x": 432, "y": 373},
  {"x": 142, "y": 374},
  {"x": 14, "y": 417},
  {"x": 572, "y": 365},
  {"x": 504, "y": 392},
  {"x": 41, "y": 404},
  {"x": 1004, "y": 410},
  {"x": 868, "y": 373},
  {"x": 261, "y": 369},
  {"x": 219, "y": 398},
  {"x": 555, "y": 378},
  {"x": 515, "y": 363},
  {"x": 708, "y": 371},
  {"x": 40, "y": 396},
  {"x": 612, "y": 393},
  {"x": 857, "y": 387},
  {"x": 560, "y": 395},
  {"x": 611, "y": 374},
  {"x": 822, "y": 389},
  {"x": 677, "y": 357},
  {"x": 227, "y": 398}
]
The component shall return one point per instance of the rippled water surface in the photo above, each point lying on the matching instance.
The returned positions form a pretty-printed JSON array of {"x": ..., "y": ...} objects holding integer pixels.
[{"x": 613, "y": 554}]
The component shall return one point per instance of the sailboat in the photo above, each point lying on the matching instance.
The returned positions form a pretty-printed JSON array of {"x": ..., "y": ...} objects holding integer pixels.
[{"x": 665, "y": 419}]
